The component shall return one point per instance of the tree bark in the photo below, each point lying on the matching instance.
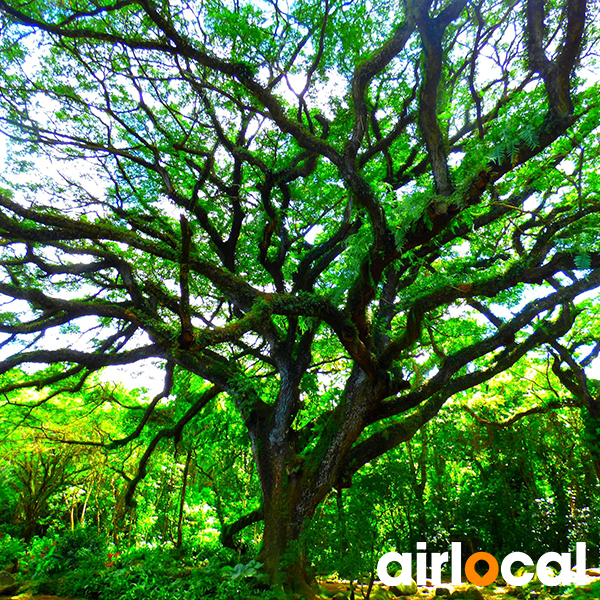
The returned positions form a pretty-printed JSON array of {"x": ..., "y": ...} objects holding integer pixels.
[
  {"x": 283, "y": 553},
  {"x": 186, "y": 470},
  {"x": 293, "y": 485}
]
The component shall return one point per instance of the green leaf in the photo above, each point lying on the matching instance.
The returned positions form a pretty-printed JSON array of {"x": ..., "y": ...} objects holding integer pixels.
[{"x": 582, "y": 261}]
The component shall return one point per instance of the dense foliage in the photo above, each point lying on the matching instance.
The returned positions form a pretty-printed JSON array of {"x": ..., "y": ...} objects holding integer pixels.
[
  {"x": 325, "y": 222},
  {"x": 472, "y": 475}
]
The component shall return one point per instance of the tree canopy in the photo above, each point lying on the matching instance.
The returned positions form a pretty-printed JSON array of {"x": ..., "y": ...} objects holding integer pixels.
[{"x": 336, "y": 215}]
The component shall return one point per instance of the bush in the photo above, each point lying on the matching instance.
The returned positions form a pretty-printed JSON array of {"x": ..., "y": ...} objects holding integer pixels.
[
  {"x": 71, "y": 552},
  {"x": 10, "y": 549},
  {"x": 81, "y": 548},
  {"x": 76, "y": 564},
  {"x": 83, "y": 583},
  {"x": 157, "y": 573},
  {"x": 39, "y": 560}
]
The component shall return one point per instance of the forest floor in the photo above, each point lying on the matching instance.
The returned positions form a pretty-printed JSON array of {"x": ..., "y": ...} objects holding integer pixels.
[
  {"x": 499, "y": 593},
  {"x": 496, "y": 591},
  {"x": 338, "y": 590}
]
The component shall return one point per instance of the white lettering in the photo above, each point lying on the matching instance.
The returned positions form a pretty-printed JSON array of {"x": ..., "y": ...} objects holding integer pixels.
[
  {"x": 437, "y": 560},
  {"x": 389, "y": 557},
  {"x": 456, "y": 563},
  {"x": 506, "y": 571},
  {"x": 544, "y": 573}
]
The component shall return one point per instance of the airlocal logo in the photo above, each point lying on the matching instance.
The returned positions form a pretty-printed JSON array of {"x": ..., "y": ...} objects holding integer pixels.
[{"x": 545, "y": 575}]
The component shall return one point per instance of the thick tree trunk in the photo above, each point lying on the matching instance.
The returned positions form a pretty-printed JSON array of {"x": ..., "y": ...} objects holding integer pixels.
[
  {"x": 293, "y": 485},
  {"x": 283, "y": 553}
]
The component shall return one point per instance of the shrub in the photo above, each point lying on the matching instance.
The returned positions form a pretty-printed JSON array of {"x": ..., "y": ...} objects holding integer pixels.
[
  {"x": 40, "y": 560},
  {"x": 10, "y": 549},
  {"x": 83, "y": 583},
  {"x": 81, "y": 548}
]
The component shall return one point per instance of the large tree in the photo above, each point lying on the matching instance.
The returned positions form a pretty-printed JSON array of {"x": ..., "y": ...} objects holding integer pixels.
[{"x": 337, "y": 214}]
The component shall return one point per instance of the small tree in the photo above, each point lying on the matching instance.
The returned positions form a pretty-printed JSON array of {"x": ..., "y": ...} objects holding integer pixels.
[{"x": 337, "y": 214}]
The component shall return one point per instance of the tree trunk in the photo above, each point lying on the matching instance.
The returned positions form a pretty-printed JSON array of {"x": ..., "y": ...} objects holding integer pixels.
[
  {"x": 186, "y": 470},
  {"x": 592, "y": 433},
  {"x": 283, "y": 553},
  {"x": 293, "y": 485}
]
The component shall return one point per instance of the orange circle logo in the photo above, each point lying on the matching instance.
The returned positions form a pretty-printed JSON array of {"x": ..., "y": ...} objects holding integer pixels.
[{"x": 472, "y": 574}]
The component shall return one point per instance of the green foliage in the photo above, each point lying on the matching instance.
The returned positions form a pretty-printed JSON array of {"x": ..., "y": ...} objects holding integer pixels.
[
  {"x": 588, "y": 592},
  {"x": 81, "y": 548},
  {"x": 11, "y": 549},
  {"x": 247, "y": 571},
  {"x": 40, "y": 560},
  {"x": 158, "y": 572},
  {"x": 582, "y": 261}
]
